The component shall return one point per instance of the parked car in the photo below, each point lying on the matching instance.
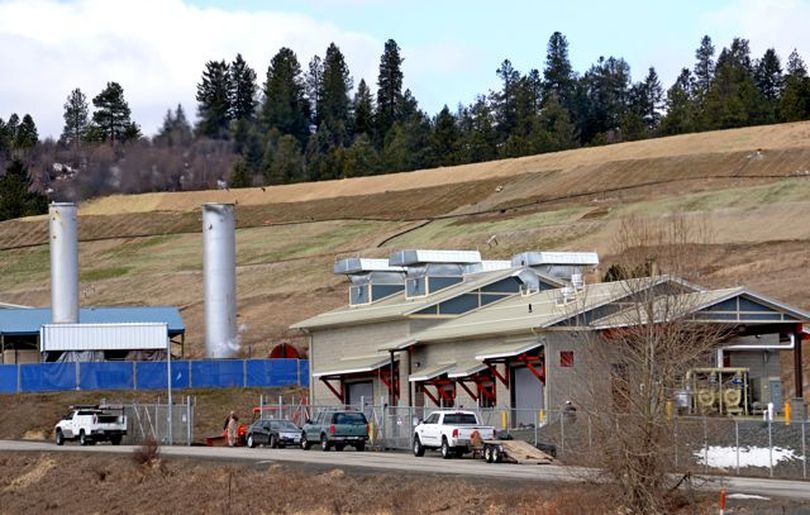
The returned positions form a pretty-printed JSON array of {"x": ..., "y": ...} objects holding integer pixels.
[
  {"x": 449, "y": 431},
  {"x": 336, "y": 429},
  {"x": 274, "y": 433},
  {"x": 91, "y": 424}
]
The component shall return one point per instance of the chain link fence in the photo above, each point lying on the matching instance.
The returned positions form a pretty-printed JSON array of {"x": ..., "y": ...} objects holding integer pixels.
[
  {"x": 745, "y": 446},
  {"x": 145, "y": 420}
]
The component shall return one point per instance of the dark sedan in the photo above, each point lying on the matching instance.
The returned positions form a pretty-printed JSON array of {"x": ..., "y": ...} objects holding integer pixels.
[{"x": 273, "y": 433}]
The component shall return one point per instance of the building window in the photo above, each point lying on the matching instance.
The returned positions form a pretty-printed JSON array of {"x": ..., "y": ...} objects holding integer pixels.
[{"x": 566, "y": 358}]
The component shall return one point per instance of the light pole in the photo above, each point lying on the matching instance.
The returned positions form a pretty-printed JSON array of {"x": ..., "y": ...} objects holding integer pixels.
[{"x": 169, "y": 381}]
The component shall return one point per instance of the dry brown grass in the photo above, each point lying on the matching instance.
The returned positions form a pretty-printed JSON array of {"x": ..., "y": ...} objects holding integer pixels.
[{"x": 108, "y": 484}]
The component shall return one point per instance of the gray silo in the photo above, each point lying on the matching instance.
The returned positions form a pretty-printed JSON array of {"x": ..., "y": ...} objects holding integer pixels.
[
  {"x": 219, "y": 277},
  {"x": 64, "y": 248}
]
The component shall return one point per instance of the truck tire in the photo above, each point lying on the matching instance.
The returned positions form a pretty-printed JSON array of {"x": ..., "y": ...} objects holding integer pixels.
[
  {"x": 115, "y": 440},
  {"x": 447, "y": 452},
  {"x": 305, "y": 445},
  {"x": 250, "y": 442},
  {"x": 83, "y": 440},
  {"x": 488, "y": 454},
  {"x": 360, "y": 447},
  {"x": 272, "y": 442},
  {"x": 325, "y": 445},
  {"x": 60, "y": 438},
  {"x": 418, "y": 449},
  {"x": 497, "y": 456},
  {"x": 340, "y": 446}
]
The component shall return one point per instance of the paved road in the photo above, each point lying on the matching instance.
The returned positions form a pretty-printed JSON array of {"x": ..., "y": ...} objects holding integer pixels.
[{"x": 402, "y": 462}]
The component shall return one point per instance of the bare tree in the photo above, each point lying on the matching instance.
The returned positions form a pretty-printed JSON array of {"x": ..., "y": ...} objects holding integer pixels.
[{"x": 644, "y": 348}]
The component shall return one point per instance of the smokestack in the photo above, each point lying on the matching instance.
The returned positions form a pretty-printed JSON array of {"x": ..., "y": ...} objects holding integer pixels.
[
  {"x": 64, "y": 244},
  {"x": 219, "y": 271}
]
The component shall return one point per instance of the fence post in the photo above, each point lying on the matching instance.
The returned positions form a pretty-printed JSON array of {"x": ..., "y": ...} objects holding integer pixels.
[
  {"x": 298, "y": 371},
  {"x": 737, "y": 442},
  {"x": 562, "y": 432},
  {"x": 705, "y": 444},
  {"x": 134, "y": 376},
  {"x": 189, "y": 429},
  {"x": 675, "y": 439},
  {"x": 590, "y": 433},
  {"x": 804, "y": 449},
  {"x": 261, "y": 406},
  {"x": 78, "y": 375},
  {"x": 244, "y": 373},
  {"x": 770, "y": 448},
  {"x": 19, "y": 378}
]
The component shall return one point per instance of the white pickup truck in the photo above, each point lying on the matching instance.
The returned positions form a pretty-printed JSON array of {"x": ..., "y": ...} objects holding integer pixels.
[
  {"x": 91, "y": 424},
  {"x": 450, "y": 431}
]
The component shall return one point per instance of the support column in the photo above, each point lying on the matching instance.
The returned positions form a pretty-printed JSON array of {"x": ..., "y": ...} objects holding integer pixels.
[{"x": 798, "y": 369}]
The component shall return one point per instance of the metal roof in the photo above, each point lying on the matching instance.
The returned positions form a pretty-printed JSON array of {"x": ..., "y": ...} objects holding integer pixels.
[
  {"x": 512, "y": 315},
  {"x": 412, "y": 257},
  {"x": 353, "y": 365},
  {"x": 397, "y": 306},
  {"x": 507, "y": 350},
  {"x": 466, "y": 368},
  {"x": 555, "y": 258},
  {"x": 359, "y": 265},
  {"x": 673, "y": 307},
  {"x": 431, "y": 372},
  {"x": 29, "y": 321}
]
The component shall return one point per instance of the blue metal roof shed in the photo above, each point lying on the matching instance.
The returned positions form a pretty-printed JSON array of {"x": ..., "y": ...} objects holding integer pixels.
[{"x": 27, "y": 322}]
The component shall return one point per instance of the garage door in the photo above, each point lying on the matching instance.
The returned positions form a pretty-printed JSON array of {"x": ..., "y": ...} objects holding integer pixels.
[
  {"x": 528, "y": 395},
  {"x": 359, "y": 392}
]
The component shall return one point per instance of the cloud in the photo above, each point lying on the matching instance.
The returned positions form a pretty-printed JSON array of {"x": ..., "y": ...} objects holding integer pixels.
[{"x": 155, "y": 49}]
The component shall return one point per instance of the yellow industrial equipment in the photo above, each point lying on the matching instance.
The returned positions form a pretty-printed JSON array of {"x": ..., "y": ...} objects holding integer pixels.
[{"x": 718, "y": 390}]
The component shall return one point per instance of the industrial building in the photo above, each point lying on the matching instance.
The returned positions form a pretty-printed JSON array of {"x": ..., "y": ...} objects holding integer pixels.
[{"x": 446, "y": 328}]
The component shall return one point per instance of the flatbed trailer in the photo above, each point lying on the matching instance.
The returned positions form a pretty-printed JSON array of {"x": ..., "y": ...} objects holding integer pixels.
[{"x": 514, "y": 451}]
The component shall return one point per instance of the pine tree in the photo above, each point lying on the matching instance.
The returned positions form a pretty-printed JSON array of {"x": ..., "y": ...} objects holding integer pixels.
[
  {"x": 478, "y": 141},
  {"x": 242, "y": 90},
  {"x": 288, "y": 163},
  {"x": 505, "y": 100},
  {"x": 768, "y": 79},
  {"x": 16, "y": 198},
  {"x": 214, "y": 101},
  {"x": 361, "y": 158},
  {"x": 334, "y": 104},
  {"x": 5, "y": 140},
  {"x": 76, "y": 119},
  {"x": 175, "y": 129},
  {"x": 795, "y": 102},
  {"x": 605, "y": 94},
  {"x": 363, "y": 110},
  {"x": 111, "y": 116},
  {"x": 12, "y": 126},
  {"x": 444, "y": 140},
  {"x": 680, "y": 117},
  {"x": 27, "y": 135},
  {"x": 313, "y": 82},
  {"x": 556, "y": 121},
  {"x": 389, "y": 89},
  {"x": 285, "y": 107},
  {"x": 558, "y": 75},
  {"x": 240, "y": 175},
  {"x": 643, "y": 113},
  {"x": 704, "y": 67},
  {"x": 733, "y": 99}
]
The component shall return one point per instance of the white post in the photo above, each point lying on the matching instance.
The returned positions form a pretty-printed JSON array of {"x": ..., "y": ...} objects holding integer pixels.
[{"x": 169, "y": 383}]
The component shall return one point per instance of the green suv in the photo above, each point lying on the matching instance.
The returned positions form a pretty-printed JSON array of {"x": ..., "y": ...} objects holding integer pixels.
[{"x": 336, "y": 429}]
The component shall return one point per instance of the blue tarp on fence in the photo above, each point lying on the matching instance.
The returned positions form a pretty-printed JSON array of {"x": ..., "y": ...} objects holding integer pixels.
[
  {"x": 8, "y": 378},
  {"x": 46, "y": 377},
  {"x": 151, "y": 375},
  {"x": 106, "y": 375}
]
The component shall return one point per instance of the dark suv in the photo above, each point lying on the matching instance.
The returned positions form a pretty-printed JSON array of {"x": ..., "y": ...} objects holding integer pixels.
[{"x": 336, "y": 429}]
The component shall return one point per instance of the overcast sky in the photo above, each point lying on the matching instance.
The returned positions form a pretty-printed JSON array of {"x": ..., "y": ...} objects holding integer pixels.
[{"x": 156, "y": 49}]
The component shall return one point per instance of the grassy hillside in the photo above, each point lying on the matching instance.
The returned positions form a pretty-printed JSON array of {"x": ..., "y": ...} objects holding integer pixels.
[{"x": 752, "y": 185}]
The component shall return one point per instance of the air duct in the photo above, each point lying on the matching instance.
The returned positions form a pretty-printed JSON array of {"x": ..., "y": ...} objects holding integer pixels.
[
  {"x": 64, "y": 247},
  {"x": 219, "y": 277}
]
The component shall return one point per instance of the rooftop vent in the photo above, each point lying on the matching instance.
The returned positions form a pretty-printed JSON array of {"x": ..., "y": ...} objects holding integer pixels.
[
  {"x": 372, "y": 279},
  {"x": 429, "y": 271},
  {"x": 563, "y": 265}
]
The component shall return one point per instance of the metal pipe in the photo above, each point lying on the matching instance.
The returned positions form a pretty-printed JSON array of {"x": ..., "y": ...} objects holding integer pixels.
[
  {"x": 64, "y": 248},
  {"x": 219, "y": 277}
]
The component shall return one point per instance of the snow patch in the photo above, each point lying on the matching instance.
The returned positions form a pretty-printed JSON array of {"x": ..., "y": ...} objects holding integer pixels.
[
  {"x": 748, "y": 496},
  {"x": 726, "y": 457}
]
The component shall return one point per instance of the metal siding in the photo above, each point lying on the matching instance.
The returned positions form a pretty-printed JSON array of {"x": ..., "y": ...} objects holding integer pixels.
[{"x": 95, "y": 337}]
